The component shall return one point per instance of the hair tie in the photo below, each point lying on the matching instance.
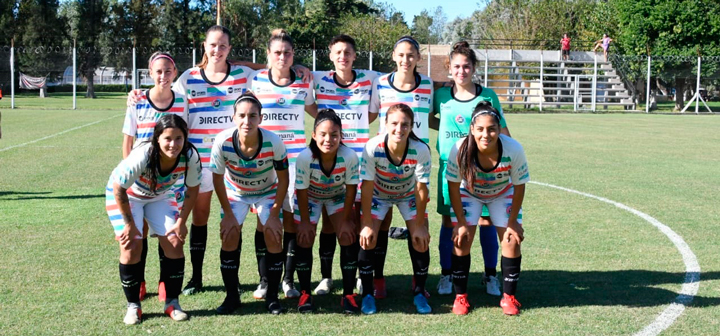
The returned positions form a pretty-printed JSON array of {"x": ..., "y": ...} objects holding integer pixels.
[
  {"x": 408, "y": 40},
  {"x": 247, "y": 97}
]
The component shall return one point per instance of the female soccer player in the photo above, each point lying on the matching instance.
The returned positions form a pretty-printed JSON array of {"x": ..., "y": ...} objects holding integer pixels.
[
  {"x": 454, "y": 105},
  {"x": 138, "y": 127},
  {"x": 327, "y": 177},
  {"x": 249, "y": 166},
  {"x": 140, "y": 189},
  {"x": 347, "y": 91},
  {"x": 408, "y": 87},
  {"x": 284, "y": 97},
  {"x": 395, "y": 170},
  {"x": 487, "y": 168}
]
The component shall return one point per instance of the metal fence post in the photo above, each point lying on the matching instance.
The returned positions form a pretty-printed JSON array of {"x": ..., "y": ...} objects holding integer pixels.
[
  {"x": 594, "y": 83},
  {"x": 134, "y": 70},
  {"x": 254, "y": 56},
  {"x": 542, "y": 91},
  {"x": 314, "y": 60},
  {"x": 74, "y": 76},
  {"x": 647, "y": 89},
  {"x": 486, "y": 68},
  {"x": 429, "y": 56},
  {"x": 12, "y": 74},
  {"x": 575, "y": 95},
  {"x": 371, "y": 60},
  {"x": 697, "y": 87},
  {"x": 193, "y": 56}
]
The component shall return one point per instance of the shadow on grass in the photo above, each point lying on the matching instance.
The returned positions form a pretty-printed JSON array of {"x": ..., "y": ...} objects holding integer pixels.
[{"x": 21, "y": 195}]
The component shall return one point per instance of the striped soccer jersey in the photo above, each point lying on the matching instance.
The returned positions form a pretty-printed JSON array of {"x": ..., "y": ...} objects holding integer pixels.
[
  {"x": 140, "y": 119},
  {"x": 131, "y": 174},
  {"x": 283, "y": 109},
  {"x": 392, "y": 181},
  {"x": 210, "y": 105},
  {"x": 248, "y": 176},
  {"x": 384, "y": 95},
  {"x": 325, "y": 185},
  {"x": 350, "y": 102},
  {"x": 512, "y": 169}
]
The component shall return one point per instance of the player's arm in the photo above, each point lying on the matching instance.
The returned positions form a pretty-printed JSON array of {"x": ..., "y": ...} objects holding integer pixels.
[
  {"x": 312, "y": 109},
  {"x": 130, "y": 231},
  {"x": 127, "y": 145}
]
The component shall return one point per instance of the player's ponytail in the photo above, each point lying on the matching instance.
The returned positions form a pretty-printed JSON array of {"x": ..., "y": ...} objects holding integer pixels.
[
  {"x": 323, "y": 115},
  {"x": 409, "y": 114},
  {"x": 468, "y": 149},
  {"x": 204, "y": 62}
]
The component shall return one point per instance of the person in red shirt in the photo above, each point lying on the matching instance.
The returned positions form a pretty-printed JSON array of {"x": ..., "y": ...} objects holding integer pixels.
[{"x": 565, "y": 47}]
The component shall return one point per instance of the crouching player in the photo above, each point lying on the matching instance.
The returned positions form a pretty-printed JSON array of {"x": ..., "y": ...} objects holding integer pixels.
[
  {"x": 250, "y": 173},
  {"x": 141, "y": 188},
  {"x": 487, "y": 168}
]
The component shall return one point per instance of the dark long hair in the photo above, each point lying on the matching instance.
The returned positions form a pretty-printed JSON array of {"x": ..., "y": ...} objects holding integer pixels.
[
  {"x": 468, "y": 149},
  {"x": 462, "y": 48},
  {"x": 215, "y": 28},
  {"x": 324, "y": 115},
  {"x": 408, "y": 113},
  {"x": 413, "y": 42},
  {"x": 164, "y": 122}
]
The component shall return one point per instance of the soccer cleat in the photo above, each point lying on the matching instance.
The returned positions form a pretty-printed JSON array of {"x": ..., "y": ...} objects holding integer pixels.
[
  {"x": 193, "y": 287},
  {"x": 133, "y": 314},
  {"x": 228, "y": 306},
  {"x": 349, "y": 304},
  {"x": 421, "y": 304},
  {"x": 510, "y": 305},
  {"x": 324, "y": 287},
  {"x": 260, "y": 292},
  {"x": 445, "y": 285},
  {"x": 359, "y": 286},
  {"x": 143, "y": 291},
  {"x": 289, "y": 290},
  {"x": 275, "y": 308},
  {"x": 305, "y": 304},
  {"x": 461, "y": 306},
  {"x": 368, "y": 305},
  {"x": 380, "y": 291},
  {"x": 492, "y": 285},
  {"x": 161, "y": 292},
  {"x": 173, "y": 310}
]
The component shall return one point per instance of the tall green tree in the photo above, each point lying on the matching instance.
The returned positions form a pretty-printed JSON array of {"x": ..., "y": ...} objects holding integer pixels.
[
  {"x": 8, "y": 11},
  {"x": 87, "y": 20},
  {"x": 130, "y": 24},
  {"x": 40, "y": 32}
]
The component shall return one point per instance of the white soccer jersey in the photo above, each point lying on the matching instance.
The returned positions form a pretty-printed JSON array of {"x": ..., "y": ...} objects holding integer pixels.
[
  {"x": 324, "y": 185},
  {"x": 131, "y": 174},
  {"x": 283, "y": 109},
  {"x": 384, "y": 95},
  {"x": 350, "y": 102},
  {"x": 210, "y": 105},
  {"x": 395, "y": 181},
  {"x": 248, "y": 176},
  {"x": 512, "y": 169},
  {"x": 140, "y": 119}
]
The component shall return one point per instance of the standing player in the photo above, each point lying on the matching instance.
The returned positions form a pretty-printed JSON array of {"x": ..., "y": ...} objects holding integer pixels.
[
  {"x": 284, "y": 98},
  {"x": 347, "y": 91},
  {"x": 138, "y": 127},
  {"x": 404, "y": 86},
  {"x": 249, "y": 166},
  {"x": 395, "y": 170},
  {"x": 487, "y": 168},
  {"x": 140, "y": 188},
  {"x": 454, "y": 106},
  {"x": 326, "y": 181}
]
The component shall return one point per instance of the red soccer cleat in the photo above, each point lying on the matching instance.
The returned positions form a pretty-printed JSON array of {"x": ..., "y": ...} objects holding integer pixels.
[
  {"x": 510, "y": 305},
  {"x": 143, "y": 291},
  {"x": 461, "y": 306},
  {"x": 161, "y": 291},
  {"x": 380, "y": 290}
]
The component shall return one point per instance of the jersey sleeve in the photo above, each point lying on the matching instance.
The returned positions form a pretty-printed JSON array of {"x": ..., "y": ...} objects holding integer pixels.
[
  {"x": 302, "y": 170},
  {"x": 217, "y": 158},
  {"x": 423, "y": 166},
  {"x": 352, "y": 173},
  {"x": 130, "y": 123},
  {"x": 130, "y": 169},
  {"x": 186, "y": 109},
  {"x": 280, "y": 156},
  {"x": 374, "y": 106},
  {"x": 452, "y": 171},
  {"x": 519, "y": 173},
  {"x": 179, "y": 85},
  {"x": 193, "y": 170},
  {"x": 367, "y": 164}
]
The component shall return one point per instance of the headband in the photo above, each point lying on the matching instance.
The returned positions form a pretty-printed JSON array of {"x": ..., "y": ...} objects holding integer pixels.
[
  {"x": 247, "y": 97},
  {"x": 408, "y": 40},
  {"x": 491, "y": 113},
  {"x": 162, "y": 56}
]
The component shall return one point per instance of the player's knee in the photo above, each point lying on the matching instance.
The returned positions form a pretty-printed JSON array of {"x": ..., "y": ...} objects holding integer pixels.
[{"x": 230, "y": 241}]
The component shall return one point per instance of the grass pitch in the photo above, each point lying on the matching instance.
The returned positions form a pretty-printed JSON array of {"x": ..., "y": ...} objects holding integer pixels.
[{"x": 589, "y": 268}]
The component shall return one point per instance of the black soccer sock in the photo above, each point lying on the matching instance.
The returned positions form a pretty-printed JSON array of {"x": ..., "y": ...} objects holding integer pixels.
[
  {"x": 366, "y": 261},
  {"x": 143, "y": 259},
  {"x": 260, "y": 250},
  {"x": 460, "y": 273},
  {"x": 420, "y": 263},
  {"x": 198, "y": 240},
  {"x": 161, "y": 257},
  {"x": 328, "y": 243},
  {"x": 229, "y": 265},
  {"x": 274, "y": 263},
  {"x": 380, "y": 252},
  {"x": 289, "y": 246},
  {"x": 130, "y": 280},
  {"x": 304, "y": 261},
  {"x": 511, "y": 274},
  {"x": 174, "y": 271},
  {"x": 349, "y": 266},
  {"x": 490, "y": 271}
]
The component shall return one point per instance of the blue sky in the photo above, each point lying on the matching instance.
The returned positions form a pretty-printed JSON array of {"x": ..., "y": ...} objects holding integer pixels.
[{"x": 452, "y": 8}]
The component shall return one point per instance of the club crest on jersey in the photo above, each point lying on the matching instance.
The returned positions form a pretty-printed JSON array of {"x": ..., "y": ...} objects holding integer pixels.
[
  {"x": 459, "y": 119},
  {"x": 395, "y": 179},
  {"x": 343, "y": 102},
  {"x": 281, "y": 101},
  {"x": 216, "y": 103},
  {"x": 248, "y": 173}
]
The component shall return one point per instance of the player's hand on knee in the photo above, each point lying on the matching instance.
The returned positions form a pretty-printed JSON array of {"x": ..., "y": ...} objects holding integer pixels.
[
  {"x": 420, "y": 238},
  {"x": 460, "y": 234},
  {"x": 273, "y": 229},
  {"x": 228, "y": 224},
  {"x": 368, "y": 237},
  {"x": 306, "y": 233}
]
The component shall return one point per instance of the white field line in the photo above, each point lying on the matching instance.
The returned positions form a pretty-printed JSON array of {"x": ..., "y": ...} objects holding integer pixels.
[
  {"x": 692, "y": 268},
  {"x": 59, "y": 133}
]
